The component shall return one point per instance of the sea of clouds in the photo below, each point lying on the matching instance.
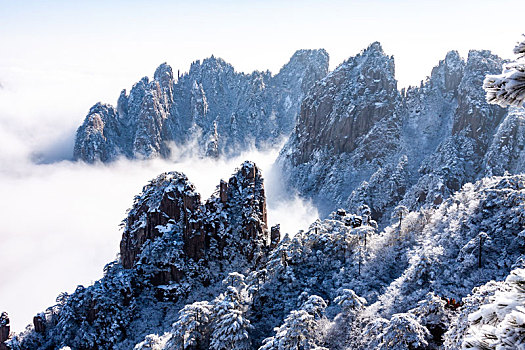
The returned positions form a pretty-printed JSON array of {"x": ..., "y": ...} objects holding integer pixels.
[{"x": 60, "y": 219}]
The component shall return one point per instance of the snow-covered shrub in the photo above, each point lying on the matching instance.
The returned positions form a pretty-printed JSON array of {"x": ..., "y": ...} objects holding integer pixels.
[
  {"x": 153, "y": 342},
  {"x": 402, "y": 332},
  {"x": 301, "y": 328},
  {"x": 192, "y": 326},
  {"x": 500, "y": 324}
]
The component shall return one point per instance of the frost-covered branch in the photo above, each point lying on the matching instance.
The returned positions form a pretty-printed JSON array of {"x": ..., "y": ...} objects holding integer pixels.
[{"x": 508, "y": 88}]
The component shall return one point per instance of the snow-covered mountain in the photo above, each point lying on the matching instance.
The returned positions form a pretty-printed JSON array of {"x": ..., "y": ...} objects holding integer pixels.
[
  {"x": 212, "y": 107},
  {"x": 359, "y": 140},
  {"x": 175, "y": 249},
  {"x": 195, "y": 275},
  {"x": 444, "y": 269}
]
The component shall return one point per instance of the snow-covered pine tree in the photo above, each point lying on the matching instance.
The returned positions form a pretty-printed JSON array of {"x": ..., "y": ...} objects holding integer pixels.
[
  {"x": 501, "y": 323},
  {"x": 399, "y": 213},
  {"x": 342, "y": 329},
  {"x": 301, "y": 328},
  {"x": 433, "y": 314},
  {"x": 350, "y": 302},
  {"x": 230, "y": 326},
  {"x": 508, "y": 88},
  {"x": 371, "y": 335},
  {"x": 191, "y": 328},
  {"x": 231, "y": 331},
  {"x": 151, "y": 342},
  {"x": 402, "y": 332}
]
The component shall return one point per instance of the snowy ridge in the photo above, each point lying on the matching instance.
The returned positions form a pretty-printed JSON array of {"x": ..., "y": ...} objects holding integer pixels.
[
  {"x": 360, "y": 141},
  {"x": 427, "y": 254},
  {"x": 224, "y": 112},
  {"x": 174, "y": 250}
]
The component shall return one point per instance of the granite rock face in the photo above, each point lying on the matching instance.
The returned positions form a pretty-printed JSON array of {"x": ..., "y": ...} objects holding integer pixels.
[
  {"x": 360, "y": 141},
  {"x": 347, "y": 104},
  {"x": 4, "y": 327},
  {"x": 175, "y": 249},
  {"x": 232, "y": 222},
  {"x": 224, "y": 112}
]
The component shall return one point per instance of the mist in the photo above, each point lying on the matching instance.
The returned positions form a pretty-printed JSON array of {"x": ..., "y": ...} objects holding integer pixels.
[{"x": 60, "y": 219}]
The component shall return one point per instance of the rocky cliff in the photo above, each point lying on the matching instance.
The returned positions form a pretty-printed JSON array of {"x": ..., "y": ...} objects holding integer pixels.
[
  {"x": 4, "y": 330},
  {"x": 359, "y": 140},
  {"x": 201, "y": 275},
  {"x": 174, "y": 249},
  {"x": 339, "y": 284},
  {"x": 224, "y": 112}
]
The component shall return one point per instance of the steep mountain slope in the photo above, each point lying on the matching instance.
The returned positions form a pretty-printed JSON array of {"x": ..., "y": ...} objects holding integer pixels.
[
  {"x": 223, "y": 111},
  {"x": 174, "y": 250},
  {"x": 340, "y": 284},
  {"x": 360, "y": 141},
  {"x": 435, "y": 255}
]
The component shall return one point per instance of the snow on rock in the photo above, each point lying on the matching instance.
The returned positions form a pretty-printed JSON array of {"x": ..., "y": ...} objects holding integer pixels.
[
  {"x": 360, "y": 141},
  {"x": 174, "y": 249},
  {"x": 226, "y": 112},
  {"x": 203, "y": 275},
  {"x": 431, "y": 165}
]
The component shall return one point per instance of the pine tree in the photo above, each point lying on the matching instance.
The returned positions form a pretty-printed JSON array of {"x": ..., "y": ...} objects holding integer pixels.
[
  {"x": 151, "y": 342},
  {"x": 301, "y": 328},
  {"x": 350, "y": 302},
  {"x": 343, "y": 327},
  {"x": 231, "y": 331},
  {"x": 230, "y": 326},
  {"x": 508, "y": 88},
  {"x": 402, "y": 332},
  {"x": 192, "y": 326},
  {"x": 432, "y": 313},
  {"x": 399, "y": 213}
]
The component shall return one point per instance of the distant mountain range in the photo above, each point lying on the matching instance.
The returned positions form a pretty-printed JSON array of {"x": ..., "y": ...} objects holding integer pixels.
[
  {"x": 211, "y": 109},
  {"x": 359, "y": 140}
]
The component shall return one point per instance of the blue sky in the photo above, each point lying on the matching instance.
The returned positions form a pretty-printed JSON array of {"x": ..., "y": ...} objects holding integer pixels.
[
  {"x": 134, "y": 36},
  {"x": 67, "y": 55}
]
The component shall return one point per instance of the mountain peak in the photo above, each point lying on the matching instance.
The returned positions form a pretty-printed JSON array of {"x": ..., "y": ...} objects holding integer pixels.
[
  {"x": 453, "y": 56},
  {"x": 311, "y": 54},
  {"x": 375, "y": 47},
  {"x": 163, "y": 72}
]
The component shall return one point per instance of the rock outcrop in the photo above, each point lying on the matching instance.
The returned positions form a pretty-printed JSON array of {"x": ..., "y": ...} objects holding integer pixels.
[
  {"x": 5, "y": 330},
  {"x": 346, "y": 105},
  {"x": 224, "y": 112},
  {"x": 168, "y": 198},
  {"x": 39, "y": 322},
  {"x": 360, "y": 141},
  {"x": 174, "y": 246},
  {"x": 232, "y": 222}
]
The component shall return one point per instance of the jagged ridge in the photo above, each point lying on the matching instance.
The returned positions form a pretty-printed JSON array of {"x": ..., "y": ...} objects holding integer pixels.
[
  {"x": 360, "y": 141},
  {"x": 223, "y": 111},
  {"x": 174, "y": 249}
]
